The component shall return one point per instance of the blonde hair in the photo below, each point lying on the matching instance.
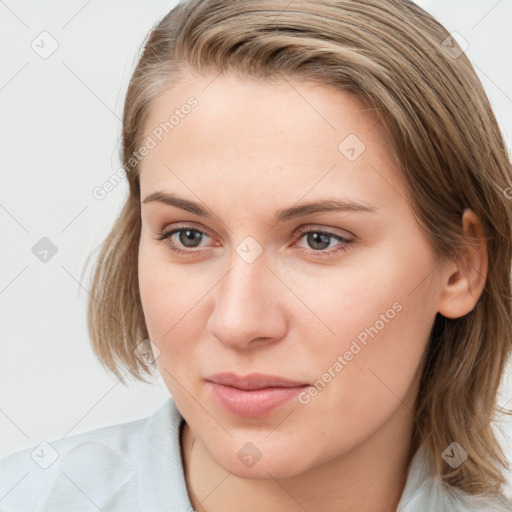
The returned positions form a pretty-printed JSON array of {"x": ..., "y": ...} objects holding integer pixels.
[{"x": 400, "y": 61}]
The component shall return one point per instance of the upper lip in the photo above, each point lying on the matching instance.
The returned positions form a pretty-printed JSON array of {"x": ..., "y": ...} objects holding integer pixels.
[{"x": 253, "y": 381}]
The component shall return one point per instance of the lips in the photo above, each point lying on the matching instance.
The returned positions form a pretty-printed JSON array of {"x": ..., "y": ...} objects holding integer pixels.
[
  {"x": 253, "y": 381},
  {"x": 252, "y": 396}
]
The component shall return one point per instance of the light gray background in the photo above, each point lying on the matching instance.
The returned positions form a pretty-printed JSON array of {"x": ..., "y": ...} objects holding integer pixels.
[{"x": 59, "y": 132}]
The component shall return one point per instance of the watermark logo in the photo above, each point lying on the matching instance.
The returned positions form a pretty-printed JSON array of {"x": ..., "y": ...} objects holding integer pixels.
[
  {"x": 249, "y": 249},
  {"x": 455, "y": 45},
  {"x": 45, "y": 45},
  {"x": 44, "y": 455},
  {"x": 249, "y": 454},
  {"x": 351, "y": 147},
  {"x": 454, "y": 455},
  {"x": 44, "y": 250},
  {"x": 147, "y": 352}
]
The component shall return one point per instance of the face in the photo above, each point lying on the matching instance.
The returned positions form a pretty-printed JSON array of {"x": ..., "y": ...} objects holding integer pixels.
[{"x": 340, "y": 301}]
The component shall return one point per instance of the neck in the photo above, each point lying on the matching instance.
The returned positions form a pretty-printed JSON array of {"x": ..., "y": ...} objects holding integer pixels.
[{"x": 369, "y": 478}]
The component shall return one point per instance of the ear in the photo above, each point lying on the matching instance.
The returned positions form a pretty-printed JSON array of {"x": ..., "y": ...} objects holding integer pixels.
[{"x": 464, "y": 279}]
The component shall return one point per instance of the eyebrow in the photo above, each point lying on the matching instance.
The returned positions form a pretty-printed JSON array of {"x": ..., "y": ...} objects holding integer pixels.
[{"x": 285, "y": 214}]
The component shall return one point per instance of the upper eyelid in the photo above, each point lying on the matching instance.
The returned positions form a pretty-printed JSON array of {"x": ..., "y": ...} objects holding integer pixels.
[
  {"x": 192, "y": 225},
  {"x": 184, "y": 226},
  {"x": 301, "y": 230}
]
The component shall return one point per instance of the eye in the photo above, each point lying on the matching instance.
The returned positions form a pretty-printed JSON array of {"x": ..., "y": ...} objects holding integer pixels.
[
  {"x": 318, "y": 239},
  {"x": 189, "y": 238}
]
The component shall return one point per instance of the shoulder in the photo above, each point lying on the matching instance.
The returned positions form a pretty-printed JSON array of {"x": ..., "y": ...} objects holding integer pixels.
[
  {"x": 426, "y": 493},
  {"x": 94, "y": 469},
  {"x": 452, "y": 498}
]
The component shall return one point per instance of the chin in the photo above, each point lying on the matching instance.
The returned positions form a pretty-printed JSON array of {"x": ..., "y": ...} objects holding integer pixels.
[{"x": 267, "y": 461}]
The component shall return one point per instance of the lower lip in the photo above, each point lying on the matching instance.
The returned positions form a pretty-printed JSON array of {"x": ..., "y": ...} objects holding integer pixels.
[{"x": 252, "y": 404}]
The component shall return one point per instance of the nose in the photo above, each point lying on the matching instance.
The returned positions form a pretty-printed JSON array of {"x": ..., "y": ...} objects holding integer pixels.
[{"x": 249, "y": 308}]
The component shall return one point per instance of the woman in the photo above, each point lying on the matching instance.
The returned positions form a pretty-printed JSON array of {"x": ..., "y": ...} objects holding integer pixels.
[{"x": 315, "y": 254}]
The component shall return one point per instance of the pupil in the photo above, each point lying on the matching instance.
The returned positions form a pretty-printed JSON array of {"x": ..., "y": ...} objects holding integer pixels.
[
  {"x": 189, "y": 238},
  {"x": 315, "y": 238}
]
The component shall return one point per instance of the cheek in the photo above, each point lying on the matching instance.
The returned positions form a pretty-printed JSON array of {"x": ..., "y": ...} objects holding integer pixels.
[
  {"x": 172, "y": 299},
  {"x": 382, "y": 319},
  {"x": 160, "y": 292}
]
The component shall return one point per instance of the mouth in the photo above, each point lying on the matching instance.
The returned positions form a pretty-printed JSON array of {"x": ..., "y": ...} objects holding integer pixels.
[
  {"x": 254, "y": 395},
  {"x": 254, "y": 381}
]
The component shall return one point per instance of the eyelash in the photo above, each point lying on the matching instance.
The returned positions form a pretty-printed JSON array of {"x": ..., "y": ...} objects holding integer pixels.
[{"x": 322, "y": 253}]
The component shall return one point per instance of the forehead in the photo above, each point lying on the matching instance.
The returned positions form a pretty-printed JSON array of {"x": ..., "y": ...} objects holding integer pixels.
[{"x": 260, "y": 136}]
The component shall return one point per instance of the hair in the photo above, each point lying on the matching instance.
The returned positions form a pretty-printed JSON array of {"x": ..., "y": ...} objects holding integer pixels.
[{"x": 401, "y": 62}]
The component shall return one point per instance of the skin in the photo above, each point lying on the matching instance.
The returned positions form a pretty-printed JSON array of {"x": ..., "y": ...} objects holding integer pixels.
[{"x": 248, "y": 149}]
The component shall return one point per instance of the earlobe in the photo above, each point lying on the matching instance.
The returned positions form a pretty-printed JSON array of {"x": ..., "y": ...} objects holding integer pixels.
[{"x": 464, "y": 279}]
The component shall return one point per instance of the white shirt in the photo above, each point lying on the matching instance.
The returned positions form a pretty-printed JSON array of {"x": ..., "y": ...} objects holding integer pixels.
[{"x": 137, "y": 466}]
